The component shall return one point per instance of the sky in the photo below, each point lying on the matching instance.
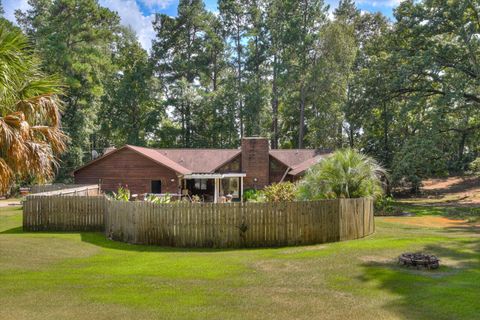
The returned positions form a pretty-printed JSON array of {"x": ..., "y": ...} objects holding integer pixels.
[{"x": 139, "y": 14}]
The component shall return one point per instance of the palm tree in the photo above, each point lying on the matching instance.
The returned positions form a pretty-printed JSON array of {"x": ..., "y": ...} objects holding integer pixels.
[
  {"x": 30, "y": 132},
  {"x": 345, "y": 174}
]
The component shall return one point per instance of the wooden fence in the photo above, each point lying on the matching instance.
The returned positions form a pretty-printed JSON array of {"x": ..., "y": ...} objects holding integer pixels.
[
  {"x": 239, "y": 224},
  {"x": 66, "y": 190},
  {"x": 60, "y": 213},
  {"x": 226, "y": 225}
]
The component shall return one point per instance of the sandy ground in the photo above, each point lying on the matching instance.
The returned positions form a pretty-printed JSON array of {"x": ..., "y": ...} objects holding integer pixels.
[
  {"x": 9, "y": 202},
  {"x": 452, "y": 190}
]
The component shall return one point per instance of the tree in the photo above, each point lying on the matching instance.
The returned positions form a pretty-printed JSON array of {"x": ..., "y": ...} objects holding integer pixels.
[
  {"x": 30, "y": 132},
  {"x": 345, "y": 174},
  {"x": 74, "y": 38},
  {"x": 304, "y": 21},
  {"x": 233, "y": 15},
  {"x": 130, "y": 94},
  {"x": 181, "y": 60}
]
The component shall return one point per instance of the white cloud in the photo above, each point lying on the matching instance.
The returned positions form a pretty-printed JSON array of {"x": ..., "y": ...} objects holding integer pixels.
[
  {"x": 128, "y": 10},
  {"x": 380, "y": 3},
  {"x": 130, "y": 14},
  {"x": 11, "y": 5},
  {"x": 157, "y": 3}
]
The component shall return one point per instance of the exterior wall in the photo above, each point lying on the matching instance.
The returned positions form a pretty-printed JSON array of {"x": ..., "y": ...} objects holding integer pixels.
[
  {"x": 255, "y": 162},
  {"x": 233, "y": 166},
  {"x": 277, "y": 171},
  {"x": 126, "y": 167}
]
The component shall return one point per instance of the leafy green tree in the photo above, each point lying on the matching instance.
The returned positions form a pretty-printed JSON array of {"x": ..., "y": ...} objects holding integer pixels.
[
  {"x": 305, "y": 20},
  {"x": 233, "y": 15},
  {"x": 130, "y": 98},
  {"x": 345, "y": 174},
  {"x": 180, "y": 57},
  {"x": 73, "y": 38}
]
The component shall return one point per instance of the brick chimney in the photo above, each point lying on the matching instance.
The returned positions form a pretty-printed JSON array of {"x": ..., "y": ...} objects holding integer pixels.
[{"x": 255, "y": 162}]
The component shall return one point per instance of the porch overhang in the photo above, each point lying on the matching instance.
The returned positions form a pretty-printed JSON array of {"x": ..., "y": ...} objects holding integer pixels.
[
  {"x": 216, "y": 177},
  {"x": 213, "y": 175}
]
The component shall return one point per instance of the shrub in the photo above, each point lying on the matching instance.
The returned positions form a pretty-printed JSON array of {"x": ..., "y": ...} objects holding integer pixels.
[
  {"x": 122, "y": 194},
  {"x": 475, "y": 166},
  {"x": 159, "y": 200},
  {"x": 284, "y": 191},
  {"x": 345, "y": 174},
  {"x": 253, "y": 195},
  {"x": 196, "y": 199},
  {"x": 385, "y": 206}
]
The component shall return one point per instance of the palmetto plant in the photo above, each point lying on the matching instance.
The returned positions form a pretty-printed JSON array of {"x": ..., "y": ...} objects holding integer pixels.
[
  {"x": 30, "y": 133},
  {"x": 345, "y": 174}
]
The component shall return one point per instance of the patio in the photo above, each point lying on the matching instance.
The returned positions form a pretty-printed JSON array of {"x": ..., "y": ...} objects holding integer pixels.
[{"x": 213, "y": 187}]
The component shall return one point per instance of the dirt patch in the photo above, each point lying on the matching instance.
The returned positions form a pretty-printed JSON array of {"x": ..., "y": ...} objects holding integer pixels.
[
  {"x": 431, "y": 222},
  {"x": 453, "y": 189}
]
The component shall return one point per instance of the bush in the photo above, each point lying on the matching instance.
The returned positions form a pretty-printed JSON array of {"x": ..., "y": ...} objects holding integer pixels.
[
  {"x": 122, "y": 194},
  {"x": 385, "y": 206},
  {"x": 253, "y": 195},
  {"x": 475, "y": 166},
  {"x": 345, "y": 174},
  {"x": 159, "y": 200},
  {"x": 284, "y": 191}
]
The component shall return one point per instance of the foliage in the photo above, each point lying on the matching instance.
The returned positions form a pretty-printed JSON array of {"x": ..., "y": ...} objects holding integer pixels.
[
  {"x": 475, "y": 166},
  {"x": 276, "y": 192},
  {"x": 398, "y": 91},
  {"x": 74, "y": 38},
  {"x": 165, "y": 199},
  {"x": 30, "y": 131},
  {"x": 129, "y": 107},
  {"x": 385, "y": 206},
  {"x": 345, "y": 174},
  {"x": 196, "y": 199},
  {"x": 418, "y": 158},
  {"x": 122, "y": 194},
  {"x": 253, "y": 195}
]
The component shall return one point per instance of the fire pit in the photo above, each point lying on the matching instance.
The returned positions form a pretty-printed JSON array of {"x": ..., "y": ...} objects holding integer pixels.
[{"x": 419, "y": 260}]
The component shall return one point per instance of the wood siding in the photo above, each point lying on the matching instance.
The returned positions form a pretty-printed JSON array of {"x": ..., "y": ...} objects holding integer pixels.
[
  {"x": 277, "y": 171},
  {"x": 127, "y": 167}
]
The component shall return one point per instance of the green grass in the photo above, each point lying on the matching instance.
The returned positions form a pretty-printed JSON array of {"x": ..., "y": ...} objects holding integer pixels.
[
  {"x": 471, "y": 213},
  {"x": 84, "y": 276}
]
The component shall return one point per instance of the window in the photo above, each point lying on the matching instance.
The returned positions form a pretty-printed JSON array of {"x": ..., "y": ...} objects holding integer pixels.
[
  {"x": 201, "y": 184},
  {"x": 156, "y": 186},
  {"x": 230, "y": 186}
]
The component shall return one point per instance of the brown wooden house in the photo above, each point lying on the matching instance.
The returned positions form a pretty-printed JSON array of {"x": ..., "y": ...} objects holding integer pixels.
[{"x": 209, "y": 173}]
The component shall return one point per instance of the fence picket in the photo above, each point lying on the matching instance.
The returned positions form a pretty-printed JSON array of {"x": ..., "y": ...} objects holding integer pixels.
[{"x": 203, "y": 225}]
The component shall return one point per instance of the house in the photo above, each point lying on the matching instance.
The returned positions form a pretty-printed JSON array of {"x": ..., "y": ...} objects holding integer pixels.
[{"x": 209, "y": 173}]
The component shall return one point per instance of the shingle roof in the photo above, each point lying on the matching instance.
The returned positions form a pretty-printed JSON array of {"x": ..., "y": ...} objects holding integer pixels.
[
  {"x": 294, "y": 157},
  {"x": 188, "y": 161},
  {"x": 161, "y": 159},
  {"x": 302, "y": 167},
  {"x": 200, "y": 160}
]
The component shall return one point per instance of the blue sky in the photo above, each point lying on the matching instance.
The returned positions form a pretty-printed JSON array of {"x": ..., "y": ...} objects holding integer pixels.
[{"x": 140, "y": 13}]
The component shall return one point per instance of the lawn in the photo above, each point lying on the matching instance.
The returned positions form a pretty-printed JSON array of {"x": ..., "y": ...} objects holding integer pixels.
[{"x": 84, "y": 276}]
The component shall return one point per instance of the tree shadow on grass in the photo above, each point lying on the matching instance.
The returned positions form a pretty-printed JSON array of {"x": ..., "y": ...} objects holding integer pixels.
[
  {"x": 99, "y": 239},
  {"x": 15, "y": 230},
  {"x": 451, "y": 292}
]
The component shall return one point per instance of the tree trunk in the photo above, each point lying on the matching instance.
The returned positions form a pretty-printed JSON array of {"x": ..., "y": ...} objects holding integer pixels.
[
  {"x": 301, "y": 128},
  {"x": 274, "y": 105}
]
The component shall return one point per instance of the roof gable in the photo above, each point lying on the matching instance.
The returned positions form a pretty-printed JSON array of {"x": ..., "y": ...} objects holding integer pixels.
[
  {"x": 200, "y": 160},
  {"x": 147, "y": 153},
  {"x": 294, "y": 157}
]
